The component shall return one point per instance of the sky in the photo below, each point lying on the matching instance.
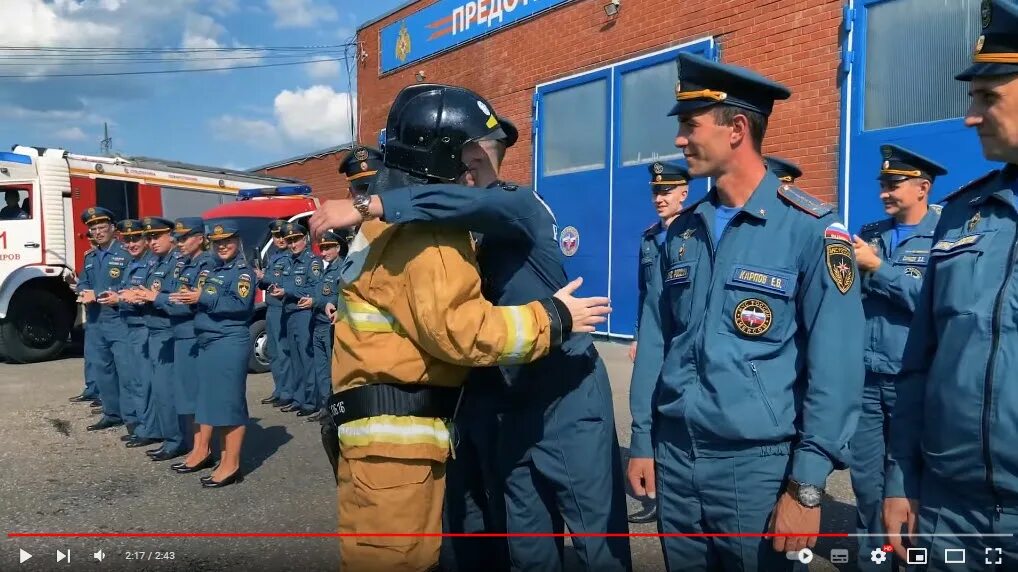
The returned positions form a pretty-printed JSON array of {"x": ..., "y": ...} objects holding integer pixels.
[{"x": 236, "y": 119}]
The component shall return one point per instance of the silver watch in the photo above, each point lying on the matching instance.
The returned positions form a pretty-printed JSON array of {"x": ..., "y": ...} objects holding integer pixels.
[
  {"x": 362, "y": 202},
  {"x": 808, "y": 496}
]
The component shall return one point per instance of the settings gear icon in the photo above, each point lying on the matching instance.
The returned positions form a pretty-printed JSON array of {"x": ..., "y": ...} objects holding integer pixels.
[{"x": 878, "y": 556}]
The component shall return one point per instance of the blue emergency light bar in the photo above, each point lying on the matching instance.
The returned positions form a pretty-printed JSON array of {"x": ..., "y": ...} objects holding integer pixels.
[
  {"x": 286, "y": 191},
  {"x": 15, "y": 158}
]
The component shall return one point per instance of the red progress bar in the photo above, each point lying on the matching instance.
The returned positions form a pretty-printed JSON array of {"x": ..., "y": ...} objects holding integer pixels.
[{"x": 411, "y": 534}]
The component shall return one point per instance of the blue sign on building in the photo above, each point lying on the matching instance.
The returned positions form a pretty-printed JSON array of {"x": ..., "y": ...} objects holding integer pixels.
[{"x": 449, "y": 23}]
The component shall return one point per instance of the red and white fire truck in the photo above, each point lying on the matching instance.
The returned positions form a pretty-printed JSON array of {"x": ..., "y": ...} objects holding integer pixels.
[{"x": 43, "y": 241}]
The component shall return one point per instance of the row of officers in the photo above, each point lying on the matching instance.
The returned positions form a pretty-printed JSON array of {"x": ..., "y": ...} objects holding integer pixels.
[
  {"x": 167, "y": 339},
  {"x": 774, "y": 347}
]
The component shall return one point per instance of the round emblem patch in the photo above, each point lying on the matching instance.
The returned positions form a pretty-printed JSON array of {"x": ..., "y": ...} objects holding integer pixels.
[
  {"x": 913, "y": 272},
  {"x": 157, "y": 285},
  {"x": 326, "y": 290},
  {"x": 114, "y": 272},
  {"x": 659, "y": 168},
  {"x": 569, "y": 240},
  {"x": 753, "y": 317},
  {"x": 298, "y": 280},
  {"x": 361, "y": 154}
]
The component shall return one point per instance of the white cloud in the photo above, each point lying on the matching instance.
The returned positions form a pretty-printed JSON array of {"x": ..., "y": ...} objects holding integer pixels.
[
  {"x": 323, "y": 68},
  {"x": 301, "y": 13},
  {"x": 223, "y": 7},
  {"x": 203, "y": 33},
  {"x": 316, "y": 114},
  {"x": 70, "y": 134},
  {"x": 304, "y": 118}
]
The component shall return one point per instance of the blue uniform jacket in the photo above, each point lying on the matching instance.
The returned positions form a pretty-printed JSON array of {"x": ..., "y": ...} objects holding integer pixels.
[
  {"x": 300, "y": 279},
  {"x": 226, "y": 303},
  {"x": 889, "y": 295},
  {"x": 519, "y": 260},
  {"x": 277, "y": 261},
  {"x": 160, "y": 278},
  {"x": 135, "y": 276},
  {"x": 104, "y": 271},
  {"x": 327, "y": 291},
  {"x": 956, "y": 413},
  {"x": 763, "y": 332},
  {"x": 649, "y": 273},
  {"x": 185, "y": 276}
]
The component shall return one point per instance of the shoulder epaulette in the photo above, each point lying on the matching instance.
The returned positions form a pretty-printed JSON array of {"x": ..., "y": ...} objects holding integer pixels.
[
  {"x": 804, "y": 202},
  {"x": 510, "y": 186},
  {"x": 936, "y": 208},
  {"x": 875, "y": 226},
  {"x": 89, "y": 251},
  {"x": 652, "y": 229},
  {"x": 968, "y": 186}
]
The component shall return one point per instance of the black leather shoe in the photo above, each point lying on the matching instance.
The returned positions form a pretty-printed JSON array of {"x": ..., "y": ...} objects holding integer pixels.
[
  {"x": 182, "y": 467},
  {"x": 104, "y": 423},
  {"x": 79, "y": 398},
  {"x": 280, "y": 403},
  {"x": 236, "y": 477},
  {"x": 306, "y": 412},
  {"x": 315, "y": 416},
  {"x": 135, "y": 443},
  {"x": 645, "y": 515},
  {"x": 269, "y": 400},
  {"x": 96, "y": 410},
  {"x": 155, "y": 451},
  {"x": 128, "y": 437},
  {"x": 97, "y": 402},
  {"x": 165, "y": 455},
  {"x": 290, "y": 408}
]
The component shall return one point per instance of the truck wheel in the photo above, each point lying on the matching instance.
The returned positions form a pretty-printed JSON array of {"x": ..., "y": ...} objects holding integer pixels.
[
  {"x": 259, "y": 360},
  {"x": 36, "y": 327}
]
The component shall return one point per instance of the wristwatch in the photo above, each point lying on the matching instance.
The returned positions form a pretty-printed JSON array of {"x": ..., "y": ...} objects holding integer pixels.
[
  {"x": 362, "y": 202},
  {"x": 808, "y": 496}
]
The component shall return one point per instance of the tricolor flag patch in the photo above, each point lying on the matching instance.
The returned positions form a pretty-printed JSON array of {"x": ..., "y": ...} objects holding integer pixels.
[{"x": 837, "y": 231}]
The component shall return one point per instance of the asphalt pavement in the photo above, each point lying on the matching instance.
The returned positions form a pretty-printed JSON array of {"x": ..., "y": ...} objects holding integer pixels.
[{"x": 56, "y": 477}]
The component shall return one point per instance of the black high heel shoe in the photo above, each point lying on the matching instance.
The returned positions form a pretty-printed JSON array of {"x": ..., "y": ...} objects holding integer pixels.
[
  {"x": 182, "y": 468},
  {"x": 236, "y": 477}
]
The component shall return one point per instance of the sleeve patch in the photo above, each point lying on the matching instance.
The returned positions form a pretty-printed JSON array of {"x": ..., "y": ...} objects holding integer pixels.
[
  {"x": 840, "y": 265},
  {"x": 837, "y": 231},
  {"x": 244, "y": 285}
]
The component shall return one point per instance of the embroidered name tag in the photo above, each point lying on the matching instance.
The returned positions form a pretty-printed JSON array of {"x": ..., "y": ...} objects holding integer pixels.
[
  {"x": 679, "y": 273},
  {"x": 951, "y": 245},
  {"x": 913, "y": 259},
  {"x": 766, "y": 280}
]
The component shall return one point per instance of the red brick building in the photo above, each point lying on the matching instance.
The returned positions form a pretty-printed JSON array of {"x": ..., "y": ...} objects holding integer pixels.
[{"x": 588, "y": 83}]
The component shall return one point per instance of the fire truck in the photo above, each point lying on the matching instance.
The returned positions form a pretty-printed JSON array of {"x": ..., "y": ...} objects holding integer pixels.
[{"x": 43, "y": 241}]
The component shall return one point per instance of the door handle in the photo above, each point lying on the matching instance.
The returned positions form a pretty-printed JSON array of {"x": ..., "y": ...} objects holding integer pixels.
[{"x": 31, "y": 245}]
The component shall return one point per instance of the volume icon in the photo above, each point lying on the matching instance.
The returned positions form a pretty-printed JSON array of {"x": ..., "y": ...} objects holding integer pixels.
[{"x": 99, "y": 555}]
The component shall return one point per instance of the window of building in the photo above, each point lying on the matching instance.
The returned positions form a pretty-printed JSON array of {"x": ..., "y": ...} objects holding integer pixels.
[
  {"x": 17, "y": 202},
  {"x": 574, "y": 122},
  {"x": 647, "y": 134},
  {"x": 914, "y": 49}
]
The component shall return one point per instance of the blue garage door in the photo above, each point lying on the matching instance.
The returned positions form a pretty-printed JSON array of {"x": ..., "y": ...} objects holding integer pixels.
[
  {"x": 903, "y": 91},
  {"x": 595, "y": 135}
]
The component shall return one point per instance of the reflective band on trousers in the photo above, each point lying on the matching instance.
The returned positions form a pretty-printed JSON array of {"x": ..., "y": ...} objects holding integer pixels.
[
  {"x": 520, "y": 333},
  {"x": 395, "y": 430}
]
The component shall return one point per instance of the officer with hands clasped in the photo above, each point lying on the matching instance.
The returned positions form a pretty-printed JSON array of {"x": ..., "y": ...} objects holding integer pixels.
[
  {"x": 762, "y": 328},
  {"x": 892, "y": 255}
]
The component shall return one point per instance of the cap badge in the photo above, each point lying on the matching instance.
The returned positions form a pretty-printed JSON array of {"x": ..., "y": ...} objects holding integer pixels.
[
  {"x": 986, "y": 11},
  {"x": 361, "y": 154},
  {"x": 218, "y": 229},
  {"x": 659, "y": 168},
  {"x": 980, "y": 43},
  {"x": 887, "y": 165}
]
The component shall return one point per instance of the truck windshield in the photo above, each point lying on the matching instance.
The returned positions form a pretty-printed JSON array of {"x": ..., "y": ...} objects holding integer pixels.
[{"x": 254, "y": 232}]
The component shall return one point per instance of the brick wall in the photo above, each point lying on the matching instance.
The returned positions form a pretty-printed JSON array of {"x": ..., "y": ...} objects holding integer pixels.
[
  {"x": 795, "y": 42},
  {"x": 321, "y": 172}
]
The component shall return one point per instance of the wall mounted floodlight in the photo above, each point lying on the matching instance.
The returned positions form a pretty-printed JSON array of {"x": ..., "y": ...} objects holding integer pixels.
[{"x": 612, "y": 8}]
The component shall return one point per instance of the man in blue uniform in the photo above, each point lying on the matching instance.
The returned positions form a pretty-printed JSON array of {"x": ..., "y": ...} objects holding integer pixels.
[
  {"x": 536, "y": 445},
  {"x": 360, "y": 167},
  {"x": 299, "y": 282},
  {"x": 762, "y": 329},
  {"x": 670, "y": 187},
  {"x": 952, "y": 470},
  {"x": 100, "y": 279},
  {"x": 160, "y": 412},
  {"x": 333, "y": 248},
  {"x": 268, "y": 273},
  {"x": 785, "y": 170},
  {"x": 133, "y": 395},
  {"x": 892, "y": 255}
]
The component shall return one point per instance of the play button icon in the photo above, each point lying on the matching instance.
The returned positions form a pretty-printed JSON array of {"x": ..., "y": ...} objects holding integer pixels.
[{"x": 24, "y": 556}]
